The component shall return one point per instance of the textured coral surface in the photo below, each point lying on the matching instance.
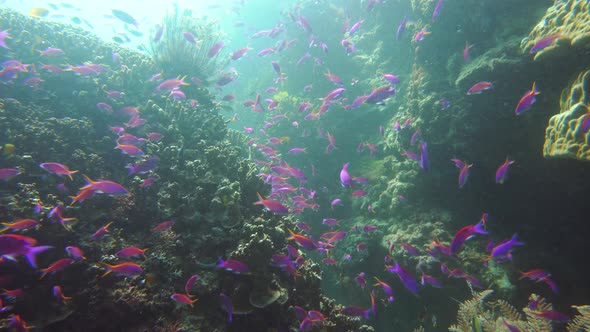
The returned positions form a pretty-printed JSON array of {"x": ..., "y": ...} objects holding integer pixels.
[{"x": 564, "y": 137}]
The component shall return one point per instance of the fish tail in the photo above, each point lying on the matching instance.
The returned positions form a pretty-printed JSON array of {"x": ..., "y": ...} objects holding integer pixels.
[
  {"x": 109, "y": 269},
  {"x": 32, "y": 252}
]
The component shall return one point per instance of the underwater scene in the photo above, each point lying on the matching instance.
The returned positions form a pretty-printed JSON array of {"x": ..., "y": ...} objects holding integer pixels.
[{"x": 295, "y": 165}]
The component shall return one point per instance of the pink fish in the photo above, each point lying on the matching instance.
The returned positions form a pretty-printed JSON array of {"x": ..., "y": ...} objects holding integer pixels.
[
  {"x": 190, "y": 283},
  {"x": 164, "y": 226},
  {"x": 463, "y": 171},
  {"x": 3, "y": 36},
  {"x": 240, "y": 53},
  {"x": 215, "y": 49},
  {"x": 190, "y": 37},
  {"x": 104, "y": 187},
  {"x": 51, "y": 51},
  {"x": 57, "y": 266},
  {"x": 8, "y": 173},
  {"x": 544, "y": 43},
  {"x": 123, "y": 269},
  {"x": 421, "y": 35},
  {"x": 272, "y": 205},
  {"x": 466, "y": 52},
  {"x": 502, "y": 172},
  {"x": 183, "y": 299},
  {"x": 57, "y": 169},
  {"x": 131, "y": 252},
  {"x": 130, "y": 150},
  {"x": 234, "y": 266},
  {"x": 75, "y": 253},
  {"x": 479, "y": 87},
  {"x": 527, "y": 100},
  {"x": 101, "y": 232}
]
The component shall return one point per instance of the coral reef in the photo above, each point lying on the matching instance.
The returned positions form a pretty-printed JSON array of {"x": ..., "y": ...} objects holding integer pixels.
[
  {"x": 567, "y": 19},
  {"x": 565, "y": 137},
  {"x": 480, "y": 314}
]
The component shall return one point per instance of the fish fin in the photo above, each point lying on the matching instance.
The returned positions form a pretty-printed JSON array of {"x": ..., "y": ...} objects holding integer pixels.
[{"x": 33, "y": 251}]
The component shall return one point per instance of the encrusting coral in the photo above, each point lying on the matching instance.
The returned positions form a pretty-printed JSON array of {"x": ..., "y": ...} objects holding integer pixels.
[
  {"x": 565, "y": 137},
  {"x": 568, "y": 20}
]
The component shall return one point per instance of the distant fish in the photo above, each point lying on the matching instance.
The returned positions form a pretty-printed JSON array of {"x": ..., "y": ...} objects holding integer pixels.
[
  {"x": 345, "y": 178},
  {"x": 437, "y": 8},
  {"x": 215, "y": 49},
  {"x": 479, "y": 87},
  {"x": 401, "y": 28},
  {"x": 190, "y": 37},
  {"x": 421, "y": 35},
  {"x": 527, "y": 100},
  {"x": 466, "y": 52},
  {"x": 502, "y": 172},
  {"x": 544, "y": 43},
  {"x": 57, "y": 169},
  {"x": 164, "y": 226},
  {"x": 405, "y": 277},
  {"x": 51, "y": 51},
  {"x": 463, "y": 171},
  {"x": 123, "y": 269},
  {"x": 272, "y": 205},
  {"x": 183, "y": 299},
  {"x": 8, "y": 173},
  {"x": 233, "y": 266},
  {"x": 125, "y": 17}
]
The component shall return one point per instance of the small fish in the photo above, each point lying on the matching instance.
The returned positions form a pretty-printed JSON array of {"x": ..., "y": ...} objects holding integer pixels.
[
  {"x": 188, "y": 286},
  {"x": 131, "y": 252},
  {"x": 345, "y": 178},
  {"x": 466, "y": 52},
  {"x": 104, "y": 187},
  {"x": 527, "y": 100},
  {"x": 551, "y": 315},
  {"x": 424, "y": 161},
  {"x": 355, "y": 311},
  {"x": 58, "y": 169},
  {"x": 75, "y": 253},
  {"x": 503, "y": 249},
  {"x": 183, "y": 299},
  {"x": 227, "y": 305},
  {"x": 543, "y": 43},
  {"x": 360, "y": 280},
  {"x": 101, "y": 232},
  {"x": 51, "y": 51},
  {"x": 401, "y": 28},
  {"x": 410, "y": 249},
  {"x": 386, "y": 289},
  {"x": 303, "y": 241},
  {"x": 125, "y": 17},
  {"x": 272, "y": 205},
  {"x": 463, "y": 171},
  {"x": 335, "y": 202},
  {"x": 465, "y": 234},
  {"x": 3, "y": 36},
  {"x": 233, "y": 266},
  {"x": 57, "y": 266},
  {"x": 123, "y": 269},
  {"x": 13, "y": 245},
  {"x": 421, "y": 35},
  {"x": 8, "y": 173},
  {"x": 20, "y": 225},
  {"x": 164, "y": 226},
  {"x": 502, "y": 172},
  {"x": 215, "y": 49},
  {"x": 535, "y": 274},
  {"x": 432, "y": 281},
  {"x": 479, "y": 87},
  {"x": 59, "y": 295},
  {"x": 405, "y": 277}
]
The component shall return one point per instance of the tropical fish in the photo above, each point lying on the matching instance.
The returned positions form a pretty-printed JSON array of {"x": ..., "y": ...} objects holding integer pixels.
[
  {"x": 143, "y": 167},
  {"x": 272, "y": 205},
  {"x": 432, "y": 281},
  {"x": 479, "y": 87},
  {"x": 12, "y": 245},
  {"x": 410, "y": 249},
  {"x": 303, "y": 241},
  {"x": 527, "y": 100},
  {"x": 502, "y": 250},
  {"x": 131, "y": 252},
  {"x": 424, "y": 162},
  {"x": 125, "y": 17},
  {"x": 39, "y": 12},
  {"x": 20, "y": 225},
  {"x": 164, "y": 226},
  {"x": 437, "y": 9},
  {"x": 360, "y": 280},
  {"x": 123, "y": 269},
  {"x": 551, "y": 315},
  {"x": 345, "y": 178},
  {"x": 57, "y": 169},
  {"x": 101, "y": 232},
  {"x": 401, "y": 28},
  {"x": 466, "y": 52},
  {"x": 234, "y": 266},
  {"x": 183, "y": 299},
  {"x": 544, "y": 43},
  {"x": 502, "y": 172},
  {"x": 405, "y": 277},
  {"x": 355, "y": 311},
  {"x": 59, "y": 295},
  {"x": 386, "y": 289},
  {"x": 463, "y": 171},
  {"x": 57, "y": 266},
  {"x": 104, "y": 187},
  {"x": 75, "y": 253},
  {"x": 8, "y": 173},
  {"x": 51, "y": 51},
  {"x": 465, "y": 234},
  {"x": 421, "y": 35},
  {"x": 190, "y": 283},
  {"x": 227, "y": 305},
  {"x": 215, "y": 49}
]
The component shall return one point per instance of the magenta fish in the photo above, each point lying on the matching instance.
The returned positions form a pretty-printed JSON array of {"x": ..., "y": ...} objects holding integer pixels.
[
  {"x": 401, "y": 28},
  {"x": 345, "y": 178},
  {"x": 479, "y": 87},
  {"x": 405, "y": 277},
  {"x": 272, "y": 205},
  {"x": 104, "y": 187},
  {"x": 190, "y": 283},
  {"x": 234, "y": 266},
  {"x": 466, "y": 52},
  {"x": 13, "y": 245},
  {"x": 503, "y": 249},
  {"x": 3, "y": 36},
  {"x": 190, "y": 37},
  {"x": 465, "y": 234},
  {"x": 215, "y": 49},
  {"x": 463, "y": 171},
  {"x": 8, "y": 173},
  {"x": 502, "y": 172},
  {"x": 437, "y": 9},
  {"x": 527, "y": 100},
  {"x": 544, "y": 43},
  {"x": 57, "y": 169}
]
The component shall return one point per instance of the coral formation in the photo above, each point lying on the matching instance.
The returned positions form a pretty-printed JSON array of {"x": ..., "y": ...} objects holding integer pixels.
[
  {"x": 565, "y": 137},
  {"x": 566, "y": 19}
]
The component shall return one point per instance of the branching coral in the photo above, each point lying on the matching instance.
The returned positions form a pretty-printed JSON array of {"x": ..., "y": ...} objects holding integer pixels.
[{"x": 184, "y": 45}]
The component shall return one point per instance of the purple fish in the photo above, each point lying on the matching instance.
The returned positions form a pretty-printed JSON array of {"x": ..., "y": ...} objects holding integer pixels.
[
  {"x": 190, "y": 283},
  {"x": 585, "y": 123},
  {"x": 432, "y": 281},
  {"x": 463, "y": 172},
  {"x": 479, "y": 87},
  {"x": 345, "y": 178},
  {"x": 234, "y": 266},
  {"x": 437, "y": 9},
  {"x": 502, "y": 172},
  {"x": 276, "y": 67},
  {"x": 401, "y": 28},
  {"x": 8, "y": 173},
  {"x": 510, "y": 327},
  {"x": 296, "y": 151},
  {"x": 143, "y": 167},
  {"x": 227, "y": 305},
  {"x": 272, "y": 205},
  {"x": 415, "y": 137},
  {"x": 3, "y": 36},
  {"x": 355, "y": 311},
  {"x": 551, "y": 315},
  {"x": 13, "y": 245},
  {"x": 335, "y": 202},
  {"x": 527, "y": 100},
  {"x": 465, "y": 234},
  {"x": 502, "y": 250},
  {"x": 354, "y": 28},
  {"x": 544, "y": 43},
  {"x": 380, "y": 94},
  {"x": 405, "y": 277},
  {"x": 215, "y": 49},
  {"x": 391, "y": 78},
  {"x": 104, "y": 187},
  {"x": 424, "y": 162}
]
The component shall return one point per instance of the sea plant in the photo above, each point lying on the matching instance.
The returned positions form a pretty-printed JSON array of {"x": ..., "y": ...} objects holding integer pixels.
[{"x": 180, "y": 46}]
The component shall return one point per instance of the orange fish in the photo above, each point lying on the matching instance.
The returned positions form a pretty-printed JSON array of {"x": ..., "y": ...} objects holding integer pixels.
[
  {"x": 57, "y": 266},
  {"x": 20, "y": 225},
  {"x": 123, "y": 269}
]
